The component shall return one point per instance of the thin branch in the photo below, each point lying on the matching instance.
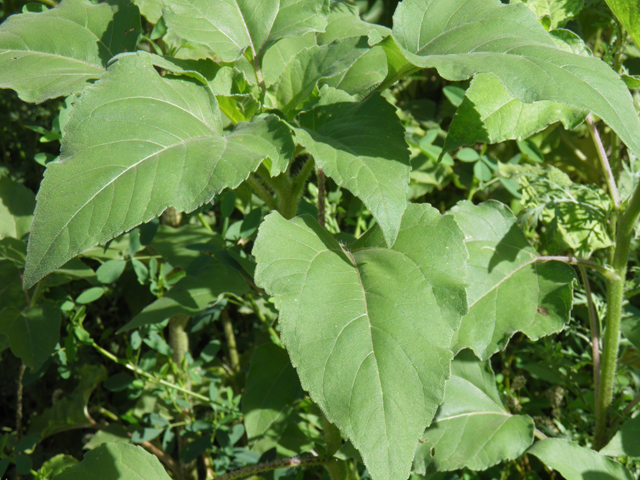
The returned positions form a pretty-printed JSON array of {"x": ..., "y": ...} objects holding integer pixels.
[
  {"x": 595, "y": 336},
  {"x": 231, "y": 341},
  {"x": 607, "y": 273},
  {"x": 539, "y": 435},
  {"x": 19, "y": 391},
  {"x": 321, "y": 195},
  {"x": 164, "y": 458},
  {"x": 611, "y": 182},
  {"x": 267, "y": 467}
]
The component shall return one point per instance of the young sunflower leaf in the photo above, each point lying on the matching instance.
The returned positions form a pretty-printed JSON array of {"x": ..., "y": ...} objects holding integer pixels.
[
  {"x": 139, "y": 143},
  {"x": 229, "y": 27},
  {"x": 369, "y": 328},
  {"x": 628, "y": 14},
  {"x": 461, "y": 38},
  {"x": 472, "y": 428},
  {"x": 361, "y": 147},
  {"x": 39, "y": 65},
  {"x": 509, "y": 291}
]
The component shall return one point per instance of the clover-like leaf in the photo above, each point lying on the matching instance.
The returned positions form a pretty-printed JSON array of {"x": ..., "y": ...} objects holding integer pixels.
[
  {"x": 136, "y": 144},
  {"x": 361, "y": 147},
  {"x": 461, "y": 38},
  {"x": 369, "y": 328},
  {"x": 472, "y": 428},
  {"x": 229, "y": 27},
  {"x": 39, "y": 65}
]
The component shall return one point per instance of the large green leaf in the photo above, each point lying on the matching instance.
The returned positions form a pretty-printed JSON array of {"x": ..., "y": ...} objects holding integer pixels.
[
  {"x": 461, "y": 38},
  {"x": 509, "y": 291},
  {"x": 625, "y": 441},
  {"x": 229, "y": 27},
  {"x": 369, "y": 328},
  {"x": 33, "y": 333},
  {"x": 16, "y": 209},
  {"x": 361, "y": 147},
  {"x": 272, "y": 387},
  {"x": 136, "y": 144},
  {"x": 490, "y": 114},
  {"x": 628, "y": 14},
  {"x": 472, "y": 428},
  {"x": 342, "y": 64},
  {"x": 116, "y": 461},
  {"x": 192, "y": 294},
  {"x": 577, "y": 463},
  {"x": 40, "y": 65}
]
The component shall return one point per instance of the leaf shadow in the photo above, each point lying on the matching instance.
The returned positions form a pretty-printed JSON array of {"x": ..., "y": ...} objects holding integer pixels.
[
  {"x": 121, "y": 34},
  {"x": 508, "y": 248}
]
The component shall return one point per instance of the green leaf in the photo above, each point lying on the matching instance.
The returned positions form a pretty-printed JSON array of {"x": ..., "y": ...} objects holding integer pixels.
[
  {"x": 368, "y": 328},
  {"x": 509, "y": 291},
  {"x": 461, "y": 38},
  {"x": 16, "y": 209},
  {"x": 11, "y": 294},
  {"x": 361, "y": 147},
  {"x": 490, "y": 114},
  {"x": 625, "y": 441},
  {"x": 173, "y": 243},
  {"x": 554, "y": 13},
  {"x": 272, "y": 387},
  {"x": 628, "y": 14},
  {"x": 630, "y": 325},
  {"x": 116, "y": 461},
  {"x": 575, "y": 215},
  {"x": 344, "y": 21},
  {"x": 229, "y": 27},
  {"x": 341, "y": 64},
  {"x": 577, "y": 463},
  {"x": 192, "y": 294},
  {"x": 39, "y": 65},
  {"x": 151, "y": 9},
  {"x": 70, "y": 411},
  {"x": 472, "y": 428},
  {"x": 33, "y": 333},
  {"x": 57, "y": 464},
  {"x": 110, "y": 271},
  {"x": 123, "y": 143}
]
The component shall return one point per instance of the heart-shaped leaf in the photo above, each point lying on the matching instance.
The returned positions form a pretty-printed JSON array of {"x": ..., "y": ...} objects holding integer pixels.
[
  {"x": 139, "y": 143},
  {"x": 369, "y": 328}
]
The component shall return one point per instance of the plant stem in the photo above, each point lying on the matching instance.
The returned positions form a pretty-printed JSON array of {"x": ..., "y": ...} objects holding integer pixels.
[
  {"x": 178, "y": 338},
  {"x": 595, "y": 337},
  {"x": 231, "y": 341},
  {"x": 301, "y": 178},
  {"x": 19, "y": 391},
  {"x": 321, "y": 195},
  {"x": 615, "y": 299},
  {"x": 36, "y": 294},
  {"x": 269, "y": 466},
  {"x": 262, "y": 192},
  {"x": 602, "y": 154},
  {"x": 604, "y": 271}
]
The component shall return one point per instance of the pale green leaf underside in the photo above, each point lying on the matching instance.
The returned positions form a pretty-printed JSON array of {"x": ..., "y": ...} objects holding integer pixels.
[
  {"x": 116, "y": 461},
  {"x": 228, "y": 27},
  {"x": 32, "y": 333},
  {"x": 508, "y": 290},
  {"x": 369, "y": 329},
  {"x": 191, "y": 295},
  {"x": 136, "y": 144},
  {"x": 39, "y": 65},
  {"x": 577, "y": 463},
  {"x": 628, "y": 13},
  {"x": 361, "y": 147},
  {"x": 16, "y": 209},
  {"x": 462, "y": 38},
  {"x": 490, "y": 114},
  {"x": 472, "y": 427},
  {"x": 272, "y": 387}
]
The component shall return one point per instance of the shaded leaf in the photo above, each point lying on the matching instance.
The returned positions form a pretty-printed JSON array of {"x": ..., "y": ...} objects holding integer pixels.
[
  {"x": 361, "y": 147},
  {"x": 272, "y": 387},
  {"x": 33, "y": 333},
  {"x": 134, "y": 163},
  {"x": 472, "y": 428},
  {"x": 229, "y": 27},
  {"x": 628, "y": 14},
  {"x": 16, "y": 209},
  {"x": 509, "y": 291},
  {"x": 116, "y": 461},
  {"x": 554, "y": 13},
  {"x": 625, "y": 441},
  {"x": 461, "y": 38},
  {"x": 577, "y": 463},
  {"x": 372, "y": 349},
  {"x": 490, "y": 114},
  {"x": 40, "y": 66}
]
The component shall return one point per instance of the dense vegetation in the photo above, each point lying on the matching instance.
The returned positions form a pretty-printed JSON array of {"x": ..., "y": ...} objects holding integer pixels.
[{"x": 316, "y": 239}]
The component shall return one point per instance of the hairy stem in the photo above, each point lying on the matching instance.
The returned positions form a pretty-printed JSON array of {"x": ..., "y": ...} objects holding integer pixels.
[
  {"x": 595, "y": 336},
  {"x": 231, "y": 341},
  {"x": 615, "y": 299},
  {"x": 262, "y": 192},
  {"x": 604, "y": 161}
]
